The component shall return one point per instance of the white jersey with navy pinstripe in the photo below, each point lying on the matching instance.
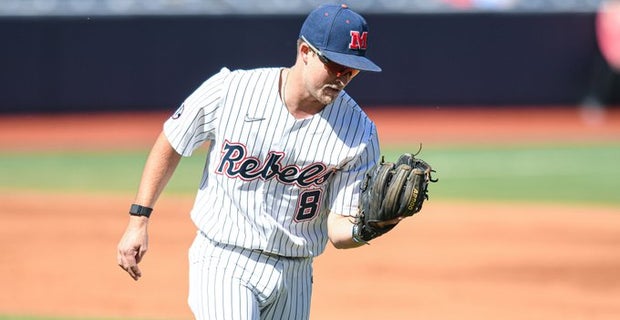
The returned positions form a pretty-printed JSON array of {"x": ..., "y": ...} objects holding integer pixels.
[{"x": 270, "y": 179}]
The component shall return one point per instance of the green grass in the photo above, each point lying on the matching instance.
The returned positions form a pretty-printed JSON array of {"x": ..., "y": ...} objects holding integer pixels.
[
  {"x": 568, "y": 174},
  {"x": 117, "y": 172}
]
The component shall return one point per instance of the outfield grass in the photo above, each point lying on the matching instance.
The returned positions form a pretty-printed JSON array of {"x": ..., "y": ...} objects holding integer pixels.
[{"x": 568, "y": 174}]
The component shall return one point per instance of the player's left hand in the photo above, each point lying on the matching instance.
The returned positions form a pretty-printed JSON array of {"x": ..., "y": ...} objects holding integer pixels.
[
  {"x": 390, "y": 193},
  {"x": 388, "y": 223}
]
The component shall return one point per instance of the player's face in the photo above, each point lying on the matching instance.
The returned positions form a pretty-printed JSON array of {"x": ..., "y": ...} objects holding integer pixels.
[{"x": 326, "y": 78}]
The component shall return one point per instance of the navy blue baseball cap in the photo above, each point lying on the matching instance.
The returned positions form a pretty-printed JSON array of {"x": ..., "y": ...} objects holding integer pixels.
[{"x": 340, "y": 34}]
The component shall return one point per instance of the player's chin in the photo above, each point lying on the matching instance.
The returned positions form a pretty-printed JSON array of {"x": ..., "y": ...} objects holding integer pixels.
[{"x": 330, "y": 94}]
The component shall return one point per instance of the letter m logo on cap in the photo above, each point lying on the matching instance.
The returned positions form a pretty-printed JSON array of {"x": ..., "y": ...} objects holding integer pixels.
[{"x": 359, "y": 41}]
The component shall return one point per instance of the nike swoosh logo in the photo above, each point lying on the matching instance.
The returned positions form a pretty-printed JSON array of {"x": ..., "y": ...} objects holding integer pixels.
[{"x": 251, "y": 119}]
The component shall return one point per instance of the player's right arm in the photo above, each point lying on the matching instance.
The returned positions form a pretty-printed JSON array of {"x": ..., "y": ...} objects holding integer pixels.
[
  {"x": 160, "y": 165},
  {"x": 190, "y": 126}
]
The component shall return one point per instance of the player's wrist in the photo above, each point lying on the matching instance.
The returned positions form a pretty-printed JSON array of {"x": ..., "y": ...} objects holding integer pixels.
[
  {"x": 358, "y": 235},
  {"x": 140, "y": 211}
]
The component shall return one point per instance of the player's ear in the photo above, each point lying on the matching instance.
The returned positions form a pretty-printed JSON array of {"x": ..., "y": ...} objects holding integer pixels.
[{"x": 304, "y": 51}]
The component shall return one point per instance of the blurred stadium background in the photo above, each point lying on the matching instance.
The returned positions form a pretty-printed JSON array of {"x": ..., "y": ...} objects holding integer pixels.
[
  {"x": 211, "y": 7},
  {"x": 77, "y": 55}
]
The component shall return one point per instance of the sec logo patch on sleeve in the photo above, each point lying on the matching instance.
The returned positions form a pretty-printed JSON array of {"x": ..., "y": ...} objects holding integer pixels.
[{"x": 178, "y": 112}]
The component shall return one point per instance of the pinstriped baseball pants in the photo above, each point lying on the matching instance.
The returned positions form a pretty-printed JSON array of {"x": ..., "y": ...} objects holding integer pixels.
[{"x": 231, "y": 283}]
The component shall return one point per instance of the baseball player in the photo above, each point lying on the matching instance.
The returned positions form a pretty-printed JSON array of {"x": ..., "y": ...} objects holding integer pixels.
[{"x": 288, "y": 149}]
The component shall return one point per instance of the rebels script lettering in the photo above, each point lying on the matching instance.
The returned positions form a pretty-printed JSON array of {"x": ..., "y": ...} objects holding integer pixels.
[{"x": 236, "y": 164}]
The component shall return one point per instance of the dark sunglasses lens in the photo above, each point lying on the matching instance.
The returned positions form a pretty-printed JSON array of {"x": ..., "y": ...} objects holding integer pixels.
[{"x": 334, "y": 67}]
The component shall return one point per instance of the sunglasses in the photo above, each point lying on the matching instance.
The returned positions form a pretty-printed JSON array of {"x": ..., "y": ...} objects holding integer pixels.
[{"x": 331, "y": 66}]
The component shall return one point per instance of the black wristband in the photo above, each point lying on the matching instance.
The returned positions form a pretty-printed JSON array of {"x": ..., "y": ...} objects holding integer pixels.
[{"x": 138, "y": 210}]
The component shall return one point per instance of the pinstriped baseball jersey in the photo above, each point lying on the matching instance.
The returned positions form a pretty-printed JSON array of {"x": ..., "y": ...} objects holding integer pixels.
[{"x": 270, "y": 179}]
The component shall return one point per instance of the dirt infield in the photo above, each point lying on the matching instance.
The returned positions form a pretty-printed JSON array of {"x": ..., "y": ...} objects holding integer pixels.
[{"x": 455, "y": 260}]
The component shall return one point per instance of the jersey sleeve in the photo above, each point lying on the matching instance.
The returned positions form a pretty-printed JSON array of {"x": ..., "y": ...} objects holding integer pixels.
[
  {"x": 194, "y": 121},
  {"x": 345, "y": 188}
]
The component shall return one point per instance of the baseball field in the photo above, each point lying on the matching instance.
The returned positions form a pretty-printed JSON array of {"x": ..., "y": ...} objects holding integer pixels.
[{"x": 524, "y": 222}]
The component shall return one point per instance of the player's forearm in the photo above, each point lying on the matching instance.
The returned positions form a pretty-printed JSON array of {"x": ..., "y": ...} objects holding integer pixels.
[
  {"x": 340, "y": 231},
  {"x": 160, "y": 165}
]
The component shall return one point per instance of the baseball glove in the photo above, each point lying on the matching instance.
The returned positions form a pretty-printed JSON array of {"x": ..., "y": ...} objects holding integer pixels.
[{"x": 391, "y": 191}]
